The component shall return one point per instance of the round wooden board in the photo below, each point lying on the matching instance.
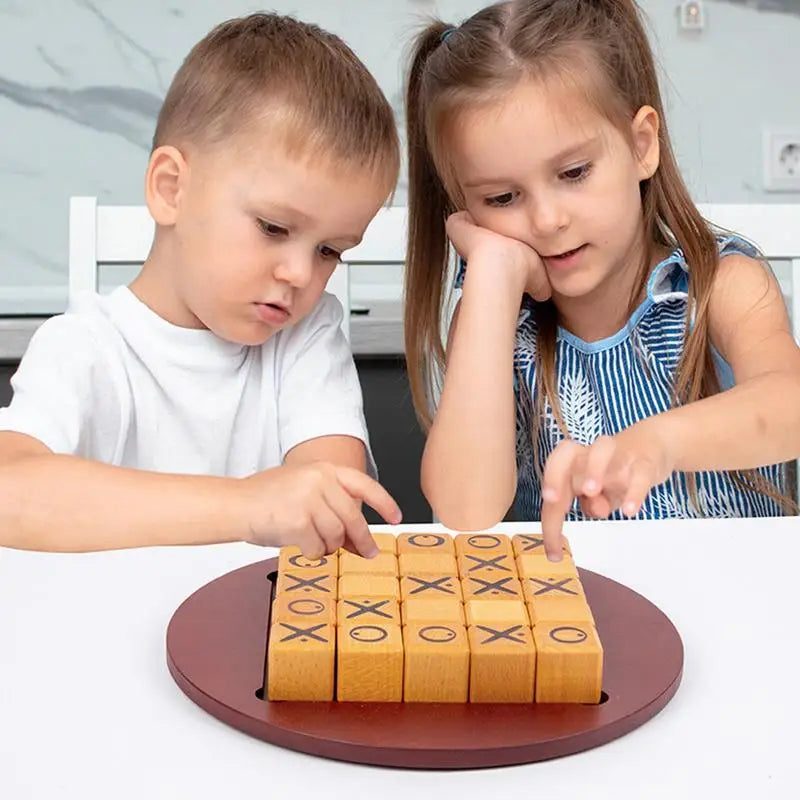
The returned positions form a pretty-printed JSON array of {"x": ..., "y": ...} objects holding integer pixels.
[{"x": 216, "y": 650}]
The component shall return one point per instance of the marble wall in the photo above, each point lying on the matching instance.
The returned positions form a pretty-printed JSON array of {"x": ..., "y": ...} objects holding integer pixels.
[{"x": 81, "y": 82}]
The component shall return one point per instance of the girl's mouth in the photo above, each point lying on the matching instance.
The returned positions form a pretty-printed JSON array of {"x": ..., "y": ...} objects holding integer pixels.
[{"x": 565, "y": 259}]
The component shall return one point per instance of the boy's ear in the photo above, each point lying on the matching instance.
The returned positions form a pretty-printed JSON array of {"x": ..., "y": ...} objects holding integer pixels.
[
  {"x": 167, "y": 172},
  {"x": 644, "y": 130}
]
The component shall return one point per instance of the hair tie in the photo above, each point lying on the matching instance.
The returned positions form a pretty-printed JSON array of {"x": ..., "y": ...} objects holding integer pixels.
[{"x": 445, "y": 33}]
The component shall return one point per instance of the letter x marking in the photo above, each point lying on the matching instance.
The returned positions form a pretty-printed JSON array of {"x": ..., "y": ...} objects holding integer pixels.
[
  {"x": 484, "y": 563},
  {"x": 437, "y": 584},
  {"x": 497, "y": 586},
  {"x": 553, "y": 587},
  {"x": 532, "y": 543},
  {"x": 298, "y": 632},
  {"x": 367, "y": 608},
  {"x": 311, "y": 583},
  {"x": 508, "y": 633}
]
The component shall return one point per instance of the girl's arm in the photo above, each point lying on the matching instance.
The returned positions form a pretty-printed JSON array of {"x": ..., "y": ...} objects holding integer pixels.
[
  {"x": 469, "y": 464},
  {"x": 757, "y": 422}
]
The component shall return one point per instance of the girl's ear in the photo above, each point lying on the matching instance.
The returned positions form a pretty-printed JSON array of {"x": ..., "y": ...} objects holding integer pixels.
[
  {"x": 167, "y": 174},
  {"x": 644, "y": 131}
]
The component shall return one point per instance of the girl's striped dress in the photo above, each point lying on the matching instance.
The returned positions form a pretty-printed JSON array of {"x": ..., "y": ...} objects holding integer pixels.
[{"x": 608, "y": 385}]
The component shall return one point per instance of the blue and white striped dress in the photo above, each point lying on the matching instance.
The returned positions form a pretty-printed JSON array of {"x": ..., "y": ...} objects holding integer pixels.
[{"x": 608, "y": 385}]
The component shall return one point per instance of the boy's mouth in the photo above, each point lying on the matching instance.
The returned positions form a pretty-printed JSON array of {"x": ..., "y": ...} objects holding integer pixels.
[{"x": 273, "y": 313}]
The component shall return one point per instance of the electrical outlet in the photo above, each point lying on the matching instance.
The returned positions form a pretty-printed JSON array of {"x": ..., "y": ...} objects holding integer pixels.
[
  {"x": 691, "y": 15},
  {"x": 782, "y": 161}
]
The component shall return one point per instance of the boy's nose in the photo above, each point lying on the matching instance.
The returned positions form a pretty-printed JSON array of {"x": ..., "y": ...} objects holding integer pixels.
[{"x": 295, "y": 269}]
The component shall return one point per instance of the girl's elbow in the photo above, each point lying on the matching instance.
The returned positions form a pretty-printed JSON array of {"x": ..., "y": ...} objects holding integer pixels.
[{"x": 460, "y": 510}]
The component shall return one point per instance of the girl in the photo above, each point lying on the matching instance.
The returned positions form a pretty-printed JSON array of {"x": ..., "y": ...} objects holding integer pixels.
[{"x": 632, "y": 344}]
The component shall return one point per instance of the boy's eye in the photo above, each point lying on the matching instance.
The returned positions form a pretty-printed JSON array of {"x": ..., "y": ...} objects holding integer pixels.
[
  {"x": 500, "y": 200},
  {"x": 271, "y": 229},
  {"x": 329, "y": 254},
  {"x": 576, "y": 174}
]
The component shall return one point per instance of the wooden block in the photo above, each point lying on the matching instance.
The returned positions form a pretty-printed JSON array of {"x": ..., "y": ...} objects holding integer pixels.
[
  {"x": 427, "y": 564},
  {"x": 292, "y": 560},
  {"x": 306, "y": 583},
  {"x": 569, "y": 662},
  {"x": 480, "y": 587},
  {"x": 534, "y": 566},
  {"x": 502, "y": 663},
  {"x": 355, "y": 585},
  {"x": 447, "y": 610},
  {"x": 486, "y": 564},
  {"x": 430, "y": 587},
  {"x": 489, "y": 612},
  {"x": 425, "y": 543},
  {"x": 312, "y": 609},
  {"x": 386, "y": 542},
  {"x": 368, "y": 611},
  {"x": 533, "y": 545},
  {"x": 381, "y": 564},
  {"x": 437, "y": 663},
  {"x": 300, "y": 661},
  {"x": 369, "y": 665},
  {"x": 486, "y": 543},
  {"x": 556, "y": 597}
]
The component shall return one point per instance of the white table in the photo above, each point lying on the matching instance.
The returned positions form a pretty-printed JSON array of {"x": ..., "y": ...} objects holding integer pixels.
[{"x": 89, "y": 710}]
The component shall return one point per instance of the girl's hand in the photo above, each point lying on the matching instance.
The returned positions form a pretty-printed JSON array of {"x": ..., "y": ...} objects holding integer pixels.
[
  {"x": 615, "y": 472},
  {"x": 506, "y": 256}
]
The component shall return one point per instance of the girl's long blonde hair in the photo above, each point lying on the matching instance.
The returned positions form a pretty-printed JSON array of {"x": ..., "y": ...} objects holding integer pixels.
[{"x": 601, "y": 45}]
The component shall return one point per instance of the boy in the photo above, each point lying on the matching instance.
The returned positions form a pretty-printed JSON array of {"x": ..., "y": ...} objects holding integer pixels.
[{"x": 215, "y": 398}]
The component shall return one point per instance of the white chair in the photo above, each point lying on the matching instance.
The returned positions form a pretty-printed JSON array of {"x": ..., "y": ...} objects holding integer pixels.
[
  {"x": 101, "y": 235},
  {"x": 775, "y": 229}
]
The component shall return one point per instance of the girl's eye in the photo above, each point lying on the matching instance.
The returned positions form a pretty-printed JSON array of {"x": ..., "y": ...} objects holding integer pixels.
[
  {"x": 329, "y": 254},
  {"x": 271, "y": 229},
  {"x": 500, "y": 200},
  {"x": 577, "y": 174}
]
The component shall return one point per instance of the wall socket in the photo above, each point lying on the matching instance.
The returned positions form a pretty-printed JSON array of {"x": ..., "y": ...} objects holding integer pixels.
[
  {"x": 782, "y": 161},
  {"x": 691, "y": 15}
]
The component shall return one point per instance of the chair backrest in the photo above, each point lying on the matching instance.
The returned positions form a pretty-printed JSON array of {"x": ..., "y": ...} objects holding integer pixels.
[
  {"x": 775, "y": 229},
  {"x": 101, "y": 235}
]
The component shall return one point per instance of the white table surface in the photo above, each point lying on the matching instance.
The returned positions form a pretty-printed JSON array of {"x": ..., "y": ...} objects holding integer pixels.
[{"x": 89, "y": 710}]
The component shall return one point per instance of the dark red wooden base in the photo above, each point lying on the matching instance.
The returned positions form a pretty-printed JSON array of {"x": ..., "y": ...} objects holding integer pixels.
[{"x": 216, "y": 649}]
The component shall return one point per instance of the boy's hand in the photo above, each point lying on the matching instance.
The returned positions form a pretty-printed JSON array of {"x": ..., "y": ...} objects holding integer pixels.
[
  {"x": 315, "y": 506},
  {"x": 507, "y": 257},
  {"x": 614, "y": 472}
]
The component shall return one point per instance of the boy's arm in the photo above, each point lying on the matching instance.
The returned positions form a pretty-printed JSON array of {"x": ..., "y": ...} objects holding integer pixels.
[
  {"x": 65, "y": 503},
  {"x": 346, "y": 451}
]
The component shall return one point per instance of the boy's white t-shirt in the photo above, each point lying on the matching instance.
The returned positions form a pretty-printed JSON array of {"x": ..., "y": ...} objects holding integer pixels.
[{"x": 112, "y": 381}]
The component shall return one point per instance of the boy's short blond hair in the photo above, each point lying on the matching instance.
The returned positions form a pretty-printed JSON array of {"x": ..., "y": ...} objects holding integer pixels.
[{"x": 300, "y": 78}]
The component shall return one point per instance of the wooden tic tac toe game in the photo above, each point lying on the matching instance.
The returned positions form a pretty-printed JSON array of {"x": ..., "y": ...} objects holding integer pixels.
[
  {"x": 481, "y": 619},
  {"x": 440, "y": 652}
]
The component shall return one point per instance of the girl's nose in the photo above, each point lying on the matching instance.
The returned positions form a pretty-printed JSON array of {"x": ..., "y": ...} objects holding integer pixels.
[{"x": 546, "y": 217}]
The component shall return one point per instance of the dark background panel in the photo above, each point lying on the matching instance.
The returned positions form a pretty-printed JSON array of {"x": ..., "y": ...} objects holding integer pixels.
[
  {"x": 395, "y": 435},
  {"x": 6, "y": 371}
]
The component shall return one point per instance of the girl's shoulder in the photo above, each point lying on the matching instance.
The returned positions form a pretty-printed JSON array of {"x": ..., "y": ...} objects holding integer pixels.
[{"x": 670, "y": 278}]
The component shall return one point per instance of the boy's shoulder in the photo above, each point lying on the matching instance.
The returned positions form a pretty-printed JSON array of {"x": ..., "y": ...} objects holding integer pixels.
[
  {"x": 322, "y": 325},
  {"x": 77, "y": 332}
]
